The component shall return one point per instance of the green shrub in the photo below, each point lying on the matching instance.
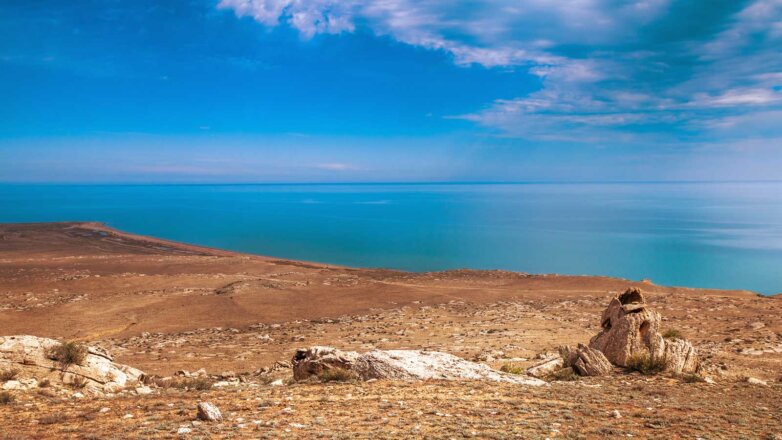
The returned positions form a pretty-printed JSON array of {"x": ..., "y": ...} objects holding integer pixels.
[
  {"x": 513, "y": 369},
  {"x": 645, "y": 363},
  {"x": 337, "y": 375},
  {"x": 672, "y": 333},
  {"x": 68, "y": 353},
  {"x": 6, "y": 398},
  {"x": 8, "y": 375}
]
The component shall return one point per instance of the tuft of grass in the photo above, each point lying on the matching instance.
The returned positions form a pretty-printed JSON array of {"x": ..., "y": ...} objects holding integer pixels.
[
  {"x": 78, "y": 383},
  {"x": 52, "y": 419},
  {"x": 191, "y": 383},
  {"x": 337, "y": 375},
  {"x": 565, "y": 374},
  {"x": 646, "y": 364},
  {"x": 6, "y": 398},
  {"x": 8, "y": 375},
  {"x": 44, "y": 383},
  {"x": 513, "y": 369},
  {"x": 672, "y": 333},
  {"x": 68, "y": 353},
  {"x": 692, "y": 378}
]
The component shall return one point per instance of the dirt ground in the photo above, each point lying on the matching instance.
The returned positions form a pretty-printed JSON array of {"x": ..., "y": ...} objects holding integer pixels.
[{"x": 162, "y": 306}]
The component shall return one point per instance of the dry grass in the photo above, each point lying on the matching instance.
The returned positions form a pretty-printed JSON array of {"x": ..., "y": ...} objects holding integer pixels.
[
  {"x": 672, "y": 333},
  {"x": 564, "y": 374},
  {"x": 513, "y": 369},
  {"x": 337, "y": 375},
  {"x": 6, "y": 398},
  {"x": 8, "y": 375},
  {"x": 52, "y": 419},
  {"x": 68, "y": 353},
  {"x": 645, "y": 363}
]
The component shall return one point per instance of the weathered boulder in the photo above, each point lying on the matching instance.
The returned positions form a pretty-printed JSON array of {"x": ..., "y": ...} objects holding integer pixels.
[
  {"x": 630, "y": 327},
  {"x": 30, "y": 357},
  {"x": 586, "y": 361},
  {"x": 399, "y": 365},
  {"x": 209, "y": 412}
]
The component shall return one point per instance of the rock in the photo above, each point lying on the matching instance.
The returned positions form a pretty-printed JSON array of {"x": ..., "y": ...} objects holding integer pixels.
[
  {"x": 756, "y": 381},
  {"x": 277, "y": 383},
  {"x": 30, "y": 356},
  {"x": 399, "y": 365},
  {"x": 546, "y": 368},
  {"x": 630, "y": 327},
  {"x": 13, "y": 385},
  {"x": 586, "y": 361},
  {"x": 208, "y": 412},
  {"x": 143, "y": 390},
  {"x": 184, "y": 430},
  {"x": 78, "y": 395},
  {"x": 616, "y": 414}
]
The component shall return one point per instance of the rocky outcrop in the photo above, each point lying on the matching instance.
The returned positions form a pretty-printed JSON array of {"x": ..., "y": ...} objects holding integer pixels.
[
  {"x": 30, "y": 357},
  {"x": 208, "y": 412},
  {"x": 398, "y": 365},
  {"x": 586, "y": 361},
  {"x": 630, "y": 327}
]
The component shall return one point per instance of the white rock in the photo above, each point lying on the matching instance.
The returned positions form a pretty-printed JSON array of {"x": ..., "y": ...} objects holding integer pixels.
[
  {"x": 143, "y": 390},
  {"x": 756, "y": 381},
  {"x": 209, "y": 412},
  {"x": 277, "y": 383},
  {"x": 77, "y": 395},
  {"x": 13, "y": 385},
  {"x": 616, "y": 414},
  {"x": 184, "y": 430}
]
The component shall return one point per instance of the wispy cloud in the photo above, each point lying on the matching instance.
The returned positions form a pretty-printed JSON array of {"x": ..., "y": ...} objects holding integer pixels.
[{"x": 603, "y": 67}]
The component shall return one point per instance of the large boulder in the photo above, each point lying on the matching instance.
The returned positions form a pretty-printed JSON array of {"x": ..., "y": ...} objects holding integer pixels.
[
  {"x": 630, "y": 327},
  {"x": 399, "y": 365},
  {"x": 31, "y": 357}
]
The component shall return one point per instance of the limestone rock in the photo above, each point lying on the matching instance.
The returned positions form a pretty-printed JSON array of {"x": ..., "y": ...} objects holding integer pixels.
[
  {"x": 545, "y": 368},
  {"x": 629, "y": 327},
  {"x": 29, "y": 356},
  {"x": 209, "y": 412},
  {"x": 586, "y": 361},
  {"x": 399, "y": 365}
]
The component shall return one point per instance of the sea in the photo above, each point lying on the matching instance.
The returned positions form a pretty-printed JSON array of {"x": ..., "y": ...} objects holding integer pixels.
[{"x": 724, "y": 235}]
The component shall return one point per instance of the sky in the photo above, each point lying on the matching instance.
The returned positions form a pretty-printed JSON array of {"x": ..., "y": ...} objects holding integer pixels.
[{"x": 201, "y": 91}]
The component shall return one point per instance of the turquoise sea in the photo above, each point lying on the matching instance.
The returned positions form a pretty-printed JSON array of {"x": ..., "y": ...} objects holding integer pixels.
[{"x": 721, "y": 235}]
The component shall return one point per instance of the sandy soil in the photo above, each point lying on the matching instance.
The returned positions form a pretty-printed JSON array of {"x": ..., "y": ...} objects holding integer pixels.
[{"x": 163, "y": 306}]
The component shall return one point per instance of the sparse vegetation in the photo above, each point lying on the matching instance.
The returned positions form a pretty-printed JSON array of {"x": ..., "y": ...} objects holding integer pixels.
[
  {"x": 645, "y": 363},
  {"x": 8, "y": 375},
  {"x": 68, "y": 353},
  {"x": 78, "y": 382},
  {"x": 513, "y": 369},
  {"x": 692, "y": 378},
  {"x": 191, "y": 383},
  {"x": 6, "y": 398},
  {"x": 564, "y": 374},
  {"x": 672, "y": 333},
  {"x": 52, "y": 419},
  {"x": 337, "y": 375}
]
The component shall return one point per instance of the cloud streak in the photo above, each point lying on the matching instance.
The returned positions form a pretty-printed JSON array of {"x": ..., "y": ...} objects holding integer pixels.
[{"x": 608, "y": 72}]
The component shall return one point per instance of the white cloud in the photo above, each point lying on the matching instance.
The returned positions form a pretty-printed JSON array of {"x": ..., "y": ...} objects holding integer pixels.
[{"x": 603, "y": 66}]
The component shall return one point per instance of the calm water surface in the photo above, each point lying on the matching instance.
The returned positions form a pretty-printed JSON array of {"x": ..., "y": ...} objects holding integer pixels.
[{"x": 722, "y": 235}]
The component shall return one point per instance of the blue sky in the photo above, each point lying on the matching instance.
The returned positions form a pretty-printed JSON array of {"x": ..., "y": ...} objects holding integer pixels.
[{"x": 390, "y": 90}]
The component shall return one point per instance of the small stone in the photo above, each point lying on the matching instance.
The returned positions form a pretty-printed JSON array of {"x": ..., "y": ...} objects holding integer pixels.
[
  {"x": 209, "y": 412},
  {"x": 127, "y": 416},
  {"x": 143, "y": 390},
  {"x": 78, "y": 395},
  {"x": 184, "y": 430},
  {"x": 104, "y": 410},
  {"x": 277, "y": 383},
  {"x": 616, "y": 414}
]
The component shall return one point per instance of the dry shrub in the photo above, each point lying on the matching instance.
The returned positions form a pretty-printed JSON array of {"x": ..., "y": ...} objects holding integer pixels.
[
  {"x": 564, "y": 374},
  {"x": 52, "y": 419},
  {"x": 692, "y": 378},
  {"x": 672, "y": 333},
  {"x": 645, "y": 363},
  {"x": 191, "y": 383},
  {"x": 68, "y": 353},
  {"x": 8, "y": 375},
  {"x": 6, "y": 398},
  {"x": 513, "y": 369},
  {"x": 337, "y": 375}
]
